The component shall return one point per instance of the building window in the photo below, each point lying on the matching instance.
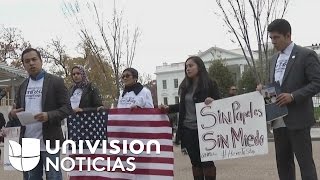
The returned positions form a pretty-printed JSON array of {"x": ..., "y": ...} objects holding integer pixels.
[
  {"x": 164, "y": 84},
  {"x": 176, "y": 84},
  {"x": 176, "y": 99},
  {"x": 165, "y": 101}
]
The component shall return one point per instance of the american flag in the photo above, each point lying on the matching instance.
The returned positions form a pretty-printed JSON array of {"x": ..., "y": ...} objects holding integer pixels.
[
  {"x": 90, "y": 125},
  {"x": 137, "y": 124}
]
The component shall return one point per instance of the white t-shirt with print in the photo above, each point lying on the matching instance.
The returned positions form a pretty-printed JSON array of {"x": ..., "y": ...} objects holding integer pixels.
[
  {"x": 33, "y": 100},
  {"x": 143, "y": 99},
  {"x": 76, "y": 98},
  {"x": 279, "y": 71}
]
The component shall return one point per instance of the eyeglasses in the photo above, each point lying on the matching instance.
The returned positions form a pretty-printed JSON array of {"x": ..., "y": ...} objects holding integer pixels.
[
  {"x": 233, "y": 89},
  {"x": 126, "y": 76}
]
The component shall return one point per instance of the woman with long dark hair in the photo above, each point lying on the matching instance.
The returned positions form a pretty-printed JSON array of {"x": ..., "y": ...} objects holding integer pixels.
[{"x": 196, "y": 87}]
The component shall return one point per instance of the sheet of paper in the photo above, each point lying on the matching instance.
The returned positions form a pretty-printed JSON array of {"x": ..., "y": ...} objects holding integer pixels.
[{"x": 26, "y": 118}]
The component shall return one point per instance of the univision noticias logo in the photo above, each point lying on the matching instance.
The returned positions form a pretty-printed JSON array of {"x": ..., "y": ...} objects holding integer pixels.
[{"x": 26, "y": 156}]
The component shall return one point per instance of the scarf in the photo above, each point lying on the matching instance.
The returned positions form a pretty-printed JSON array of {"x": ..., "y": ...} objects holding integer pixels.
[
  {"x": 84, "y": 76},
  {"x": 136, "y": 88}
]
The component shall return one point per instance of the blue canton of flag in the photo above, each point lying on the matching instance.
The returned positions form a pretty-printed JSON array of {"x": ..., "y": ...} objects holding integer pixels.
[{"x": 89, "y": 125}]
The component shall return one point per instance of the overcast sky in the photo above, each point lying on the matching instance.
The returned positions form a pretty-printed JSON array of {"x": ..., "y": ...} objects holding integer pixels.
[{"x": 171, "y": 29}]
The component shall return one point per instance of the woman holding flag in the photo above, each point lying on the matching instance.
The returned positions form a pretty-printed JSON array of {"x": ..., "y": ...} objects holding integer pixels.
[
  {"x": 196, "y": 87},
  {"x": 83, "y": 95},
  {"x": 134, "y": 95}
]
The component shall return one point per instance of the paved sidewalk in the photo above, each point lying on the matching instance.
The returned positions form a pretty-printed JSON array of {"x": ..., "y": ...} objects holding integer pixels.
[
  {"x": 252, "y": 168},
  {"x": 249, "y": 168},
  {"x": 315, "y": 133}
]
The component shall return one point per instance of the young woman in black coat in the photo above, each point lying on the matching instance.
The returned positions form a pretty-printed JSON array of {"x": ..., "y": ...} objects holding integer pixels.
[{"x": 196, "y": 87}]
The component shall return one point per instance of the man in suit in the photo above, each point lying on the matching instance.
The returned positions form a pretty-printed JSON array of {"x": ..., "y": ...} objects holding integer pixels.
[
  {"x": 46, "y": 96},
  {"x": 297, "y": 69}
]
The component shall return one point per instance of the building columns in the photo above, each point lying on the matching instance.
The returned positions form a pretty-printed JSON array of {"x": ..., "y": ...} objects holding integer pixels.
[{"x": 241, "y": 70}]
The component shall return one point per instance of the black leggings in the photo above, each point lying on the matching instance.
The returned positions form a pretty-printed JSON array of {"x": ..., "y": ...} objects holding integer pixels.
[{"x": 191, "y": 141}]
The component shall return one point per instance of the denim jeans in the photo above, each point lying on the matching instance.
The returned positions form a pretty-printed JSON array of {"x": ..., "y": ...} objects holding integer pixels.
[{"x": 37, "y": 172}]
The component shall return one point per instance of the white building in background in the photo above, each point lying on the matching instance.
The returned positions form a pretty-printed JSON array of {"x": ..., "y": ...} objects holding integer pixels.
[{"x": 169, "y": 76}]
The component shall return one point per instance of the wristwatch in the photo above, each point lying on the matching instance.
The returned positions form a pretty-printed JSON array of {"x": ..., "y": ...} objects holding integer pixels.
[{"x": 292, "y": 97}]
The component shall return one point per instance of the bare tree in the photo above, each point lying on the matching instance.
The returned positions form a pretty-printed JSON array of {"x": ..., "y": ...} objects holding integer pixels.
[
  {"x": 144, "y": 79},
  {"x": 11, "y": 43},
  {"x": 113, "y": 39},
  {"x": 247, "y": 20},
  {"x": 55, "y": 53}
]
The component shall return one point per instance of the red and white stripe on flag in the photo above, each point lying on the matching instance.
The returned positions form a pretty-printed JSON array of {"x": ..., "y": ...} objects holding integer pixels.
[{"x": 143, "y": 125}]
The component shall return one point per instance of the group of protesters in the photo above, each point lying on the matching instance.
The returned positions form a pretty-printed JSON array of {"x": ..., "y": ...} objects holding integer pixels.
[{"x": 297, "y": 69}]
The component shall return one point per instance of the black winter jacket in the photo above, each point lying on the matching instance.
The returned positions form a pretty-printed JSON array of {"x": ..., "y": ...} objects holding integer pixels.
[
  {"x": 90, "y": 98},
  {"x": 199, "y": 96}
]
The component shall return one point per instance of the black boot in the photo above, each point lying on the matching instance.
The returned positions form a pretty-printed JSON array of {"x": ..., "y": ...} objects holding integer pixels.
[
  {"x": 209, "y": 173},
  {"x": 197, "y": 173}
]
